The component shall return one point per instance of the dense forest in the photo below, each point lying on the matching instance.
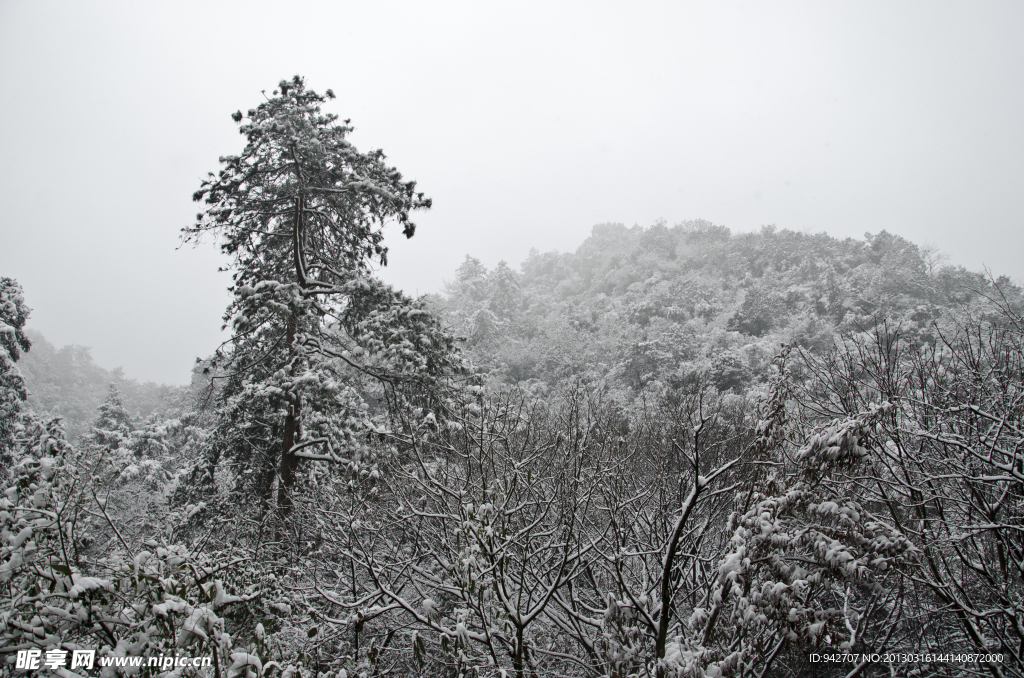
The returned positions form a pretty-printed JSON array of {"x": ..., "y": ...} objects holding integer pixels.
[
  {"x": 677, "y": 451},
  {"x": 636, "y": 307},
  {"x": 67, "y": 383}
]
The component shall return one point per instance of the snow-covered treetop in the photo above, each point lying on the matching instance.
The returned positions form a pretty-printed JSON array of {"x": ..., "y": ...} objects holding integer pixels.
[{"x": 298, "y": 168}]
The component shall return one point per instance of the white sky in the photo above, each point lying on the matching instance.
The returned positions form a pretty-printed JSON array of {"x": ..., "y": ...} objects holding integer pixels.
[{"x": 527, "y": 123}]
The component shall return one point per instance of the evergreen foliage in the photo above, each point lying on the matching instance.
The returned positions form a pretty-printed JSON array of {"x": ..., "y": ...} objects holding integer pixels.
[
  {"x": 13, "y": 314},
  {"x": 319, "y": 346}
]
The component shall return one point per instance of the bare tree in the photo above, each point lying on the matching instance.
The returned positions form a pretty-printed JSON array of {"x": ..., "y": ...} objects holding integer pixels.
[{"x": 948, "y": 472}]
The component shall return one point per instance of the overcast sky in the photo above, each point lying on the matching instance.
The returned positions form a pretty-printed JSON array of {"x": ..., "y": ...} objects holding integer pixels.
[{"x": 527, "y": 123}]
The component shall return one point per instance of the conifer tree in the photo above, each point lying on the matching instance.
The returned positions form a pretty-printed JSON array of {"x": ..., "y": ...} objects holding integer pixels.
[
  {"x": 319, "y": 345},
  {"x": 113, "y": 425},
  {"x": 13, "y": 314}
]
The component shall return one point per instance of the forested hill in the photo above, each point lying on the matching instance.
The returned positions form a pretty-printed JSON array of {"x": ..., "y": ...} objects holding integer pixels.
[
  {"x": 641, "y": 305},
  {"x": 65, "y": 382},
  {"x": 632, "y": 306}
]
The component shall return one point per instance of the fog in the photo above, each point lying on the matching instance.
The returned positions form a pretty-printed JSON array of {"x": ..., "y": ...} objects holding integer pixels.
[{"x": 527, "y": 123}]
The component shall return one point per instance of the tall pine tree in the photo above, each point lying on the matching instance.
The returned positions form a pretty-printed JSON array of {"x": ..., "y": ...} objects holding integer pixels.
[{"x": 319, "y": 346}]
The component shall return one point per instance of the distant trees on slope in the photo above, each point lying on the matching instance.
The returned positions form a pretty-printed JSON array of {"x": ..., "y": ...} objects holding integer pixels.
[
  {"x": 66, "y": 382},
  {"x": 642, "y": 307}
]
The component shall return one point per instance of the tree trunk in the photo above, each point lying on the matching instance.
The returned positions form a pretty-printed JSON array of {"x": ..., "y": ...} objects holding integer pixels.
[
  {"x": 519, "y": 663},
  {"x": 289, "y": 462}
]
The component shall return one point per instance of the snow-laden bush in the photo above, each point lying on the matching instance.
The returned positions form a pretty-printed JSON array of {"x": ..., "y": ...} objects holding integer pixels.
[{"x": 156, "y": 599}]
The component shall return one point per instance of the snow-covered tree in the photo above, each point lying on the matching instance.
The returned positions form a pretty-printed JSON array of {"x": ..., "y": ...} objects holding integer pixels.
[
  {"x": 13, "y": 314},
  {"x": 947, "y": 471},
  {"x": 489, "y": 514},
  {"x": 319, "y": 345},
  {"x": 137, "y": 599},
  {"x": 113, "y": 425}
]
